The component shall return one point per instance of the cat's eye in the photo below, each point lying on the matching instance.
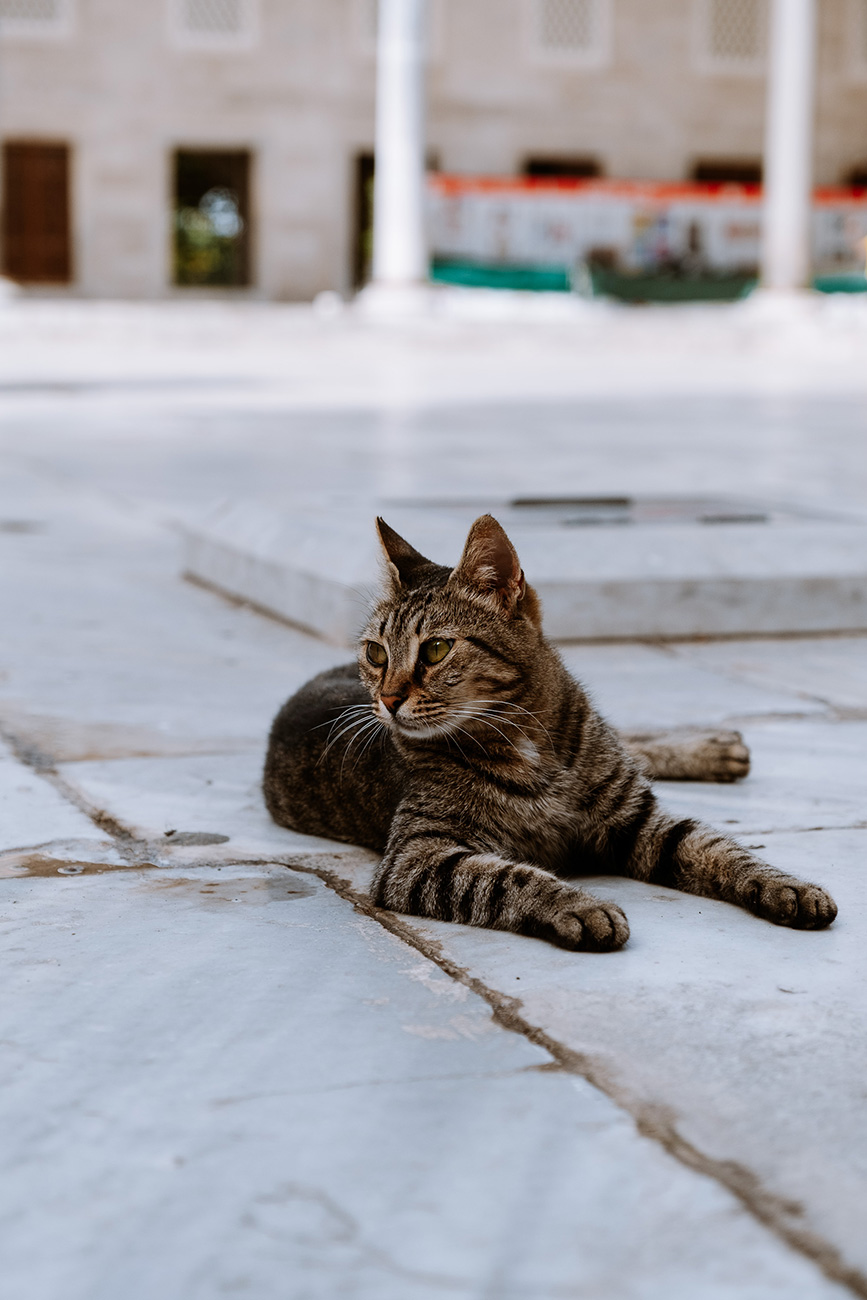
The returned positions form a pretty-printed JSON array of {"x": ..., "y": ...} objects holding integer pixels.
[
  {"x": 434, "y": 651},
  {"x": 376, "y": 654}
]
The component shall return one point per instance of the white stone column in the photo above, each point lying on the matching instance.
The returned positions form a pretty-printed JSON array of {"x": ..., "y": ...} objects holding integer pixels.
[
  {"x": 399, "y": 251},
  {"x": 788, "y": 162}
]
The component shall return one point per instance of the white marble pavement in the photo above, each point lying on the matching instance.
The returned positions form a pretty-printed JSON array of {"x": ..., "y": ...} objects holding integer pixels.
[{"x": 221, "y": 1073}]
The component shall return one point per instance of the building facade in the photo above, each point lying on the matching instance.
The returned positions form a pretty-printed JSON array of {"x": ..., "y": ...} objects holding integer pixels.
[{"x": 200, "y": 146}]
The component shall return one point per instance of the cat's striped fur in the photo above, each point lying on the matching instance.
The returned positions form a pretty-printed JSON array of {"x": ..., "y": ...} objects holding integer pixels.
[{"x": 488, "y": 777}]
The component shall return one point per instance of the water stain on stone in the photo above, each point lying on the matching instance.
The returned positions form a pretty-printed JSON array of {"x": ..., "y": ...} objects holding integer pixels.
[
  {"x": 18, "y": 866},
  {"x": 252, "y": 890}
]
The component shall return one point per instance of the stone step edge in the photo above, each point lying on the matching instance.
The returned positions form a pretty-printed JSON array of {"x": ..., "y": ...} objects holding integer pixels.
[{"x": 621, "y": 609}]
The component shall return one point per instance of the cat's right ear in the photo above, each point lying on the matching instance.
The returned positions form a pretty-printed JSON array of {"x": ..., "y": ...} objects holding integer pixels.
[
  {"x": 490, "y": 565},
  {"x": 403, "y": 561}
]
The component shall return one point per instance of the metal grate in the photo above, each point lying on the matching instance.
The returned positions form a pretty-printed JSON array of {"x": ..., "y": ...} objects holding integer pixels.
[
  {"x": 736, "y": 31},
  {"x": 593, "y": 512},
  {"x": 213, "y": 17},
  {"x": 568, "y": 26},
  {"x": 31, "y": 11},
  {"x": 578, "y": 512}
]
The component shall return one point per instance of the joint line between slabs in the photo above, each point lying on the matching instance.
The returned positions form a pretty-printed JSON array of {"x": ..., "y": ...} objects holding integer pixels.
[{"x": 772, "y": 1211}]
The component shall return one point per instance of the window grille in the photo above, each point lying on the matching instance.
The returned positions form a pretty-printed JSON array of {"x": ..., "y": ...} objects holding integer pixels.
[
  {"x": 214, "y": 17},
  {"x": 213, "y": 24},
  {"x": 570, "y": 31},
  {"x": 34, "y": 17},
  {"x": 567, "y": 25},
  {"x": 735, "y": 34},
  {"x": 30, "y": 11}
]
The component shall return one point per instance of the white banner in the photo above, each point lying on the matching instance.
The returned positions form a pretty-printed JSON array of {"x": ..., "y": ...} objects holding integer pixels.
[{"x": 637, "y": 225}]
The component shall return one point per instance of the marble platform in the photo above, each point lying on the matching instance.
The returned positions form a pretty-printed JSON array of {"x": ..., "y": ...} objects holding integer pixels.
[{"x": 606, "y": 568}]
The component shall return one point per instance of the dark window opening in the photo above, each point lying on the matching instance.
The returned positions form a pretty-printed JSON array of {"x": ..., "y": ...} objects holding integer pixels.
[
  {"x": 212, "y": 217},
  {"x": 362, "y": 249},
  {"x": 728, "y": 171},
  {"x": 364, "y": 170},
  {"x": 37, "y": 244},
  {"x": 857, "y": 177},
  {"x": 556, "y": 167}
]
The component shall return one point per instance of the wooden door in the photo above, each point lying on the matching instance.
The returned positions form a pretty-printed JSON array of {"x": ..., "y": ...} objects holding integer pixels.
[{"x": 36, "y": 234}]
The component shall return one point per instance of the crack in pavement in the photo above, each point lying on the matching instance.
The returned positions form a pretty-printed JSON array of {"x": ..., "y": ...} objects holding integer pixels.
[
  {"x": 411, "y": 1079},
  {"x": 653, "y": 1121}
]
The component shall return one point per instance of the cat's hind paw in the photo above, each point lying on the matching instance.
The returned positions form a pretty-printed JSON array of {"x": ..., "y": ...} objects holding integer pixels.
[
  {"x": 785, "y": 900},
  {"x": 592, "y": 926},
  {"x": 722, "y": 756},
  {"x": 691, "y": 754}
]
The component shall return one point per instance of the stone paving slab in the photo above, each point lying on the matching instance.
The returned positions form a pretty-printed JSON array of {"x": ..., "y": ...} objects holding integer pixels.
[
  {"x": 743, "y": 1038},
  {"x": 741, "y": 1007},
  {"x": 806, "y": 774},
  {"x": 831, "y": 671},
  {"x": 202, "y": 794},
  {"x": 32, "y": 812},
  {"x": 639, "y": 686},
  {"x": 385, "y": 1139}
]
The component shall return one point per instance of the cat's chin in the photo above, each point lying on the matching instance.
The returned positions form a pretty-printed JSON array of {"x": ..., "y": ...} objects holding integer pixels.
[{"x": 409, "y": 730}]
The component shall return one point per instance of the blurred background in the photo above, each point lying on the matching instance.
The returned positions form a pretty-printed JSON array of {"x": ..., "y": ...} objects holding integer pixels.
[{"x": 602, "y": 146}]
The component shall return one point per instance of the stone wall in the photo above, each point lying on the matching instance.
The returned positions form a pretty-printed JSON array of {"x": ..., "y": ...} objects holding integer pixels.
[{"x": 125, "y": 86}]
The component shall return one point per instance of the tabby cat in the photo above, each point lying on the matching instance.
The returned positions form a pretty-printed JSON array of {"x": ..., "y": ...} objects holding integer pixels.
[{"x": 470, "y": 758}]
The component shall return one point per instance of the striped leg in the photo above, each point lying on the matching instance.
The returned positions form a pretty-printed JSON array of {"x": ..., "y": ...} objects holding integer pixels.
[
  {"x": 427, "y": 874},
  {"x": 696, "y": 859}
]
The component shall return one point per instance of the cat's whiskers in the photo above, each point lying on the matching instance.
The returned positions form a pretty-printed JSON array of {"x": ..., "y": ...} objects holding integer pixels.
[
  {"x": 478, "y": 714},
  {"x": 518, "y": 708},
  {"x": 450, "y": 735},
  {"x": 332, "y": 740},
  {"x": 374, "y": 725},
  {"x": 378, "y": 732},
  {"x": 353, "y": 713},
  {"x": 354, "y": 724},
  {"x": 525, "y": 746},
  {"x": 341, "y": 712}
]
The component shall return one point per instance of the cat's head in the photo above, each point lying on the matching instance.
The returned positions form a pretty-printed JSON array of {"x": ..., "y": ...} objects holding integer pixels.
[{"x": 444, "y": 647}]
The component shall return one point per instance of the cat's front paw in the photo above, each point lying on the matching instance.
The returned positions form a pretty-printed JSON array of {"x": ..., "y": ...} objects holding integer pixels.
[
  {"x": 785, "y": 900},
  {"x": 594, "y": 926}
]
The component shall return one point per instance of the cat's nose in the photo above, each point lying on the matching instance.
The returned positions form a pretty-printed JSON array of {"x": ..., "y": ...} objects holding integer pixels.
[{"x": 392, "y": 702}]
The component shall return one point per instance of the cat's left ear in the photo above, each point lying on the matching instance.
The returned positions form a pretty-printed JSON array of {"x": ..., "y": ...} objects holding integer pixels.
[{"x": 490, "y": 565}]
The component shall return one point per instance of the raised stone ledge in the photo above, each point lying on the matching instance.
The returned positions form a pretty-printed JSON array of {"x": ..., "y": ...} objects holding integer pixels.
[{"x": 318, "y": 567}]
